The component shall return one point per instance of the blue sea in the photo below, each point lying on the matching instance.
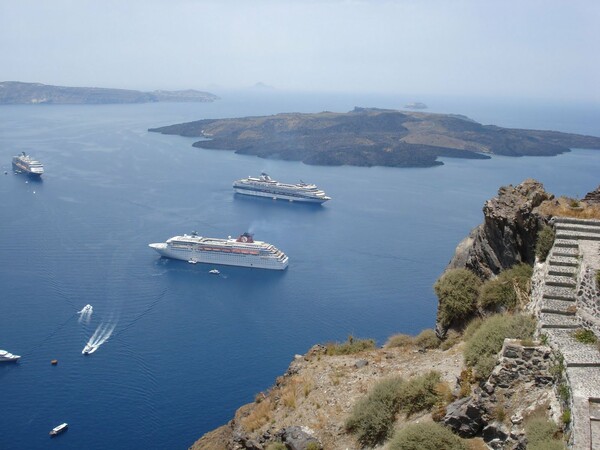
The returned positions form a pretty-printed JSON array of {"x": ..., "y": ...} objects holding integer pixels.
[{"x": 188, "y": 348}]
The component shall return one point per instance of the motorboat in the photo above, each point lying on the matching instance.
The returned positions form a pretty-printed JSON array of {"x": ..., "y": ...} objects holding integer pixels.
[
  {"x": 59, "y": 429},
  {"x": 8, "y": 357},
  {"x": 214, "y": 272}
]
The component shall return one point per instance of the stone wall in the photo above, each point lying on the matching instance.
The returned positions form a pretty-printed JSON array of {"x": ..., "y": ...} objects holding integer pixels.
[{"x": 588, "y": 299}]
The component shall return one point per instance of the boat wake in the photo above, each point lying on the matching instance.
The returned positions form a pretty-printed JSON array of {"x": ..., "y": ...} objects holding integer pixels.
[
  {"x": 100, "y": 336},
  {"x": 85, "y": 315}
]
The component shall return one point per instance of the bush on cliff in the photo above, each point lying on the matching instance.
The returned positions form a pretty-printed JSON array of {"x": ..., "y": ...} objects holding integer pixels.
[
  {"x": 542, "y": 434},
  {"x": 426, "y": 436},
  {"x": 457, "y": 291},
  {"x": 481, "y": 349},
  {"x": 544, "y": 243},
  {"x": 372, "y": 417},
  {"x": 509, "y": 289},
  {"x": 351, "y": 346},
  {"x": 426, "y": 340}
]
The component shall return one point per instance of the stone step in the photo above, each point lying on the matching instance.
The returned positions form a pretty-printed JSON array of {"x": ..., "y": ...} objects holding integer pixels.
[
  {"x": 577, "y": 227},
  {"x": 566, "y": 271},
  {"x": 559, "y": 293},
  {"x": 550, "y": 320},
  {"x": 576, "y": 354},
  {"x": 574, "y": 220},
  {"x": 581, "y": 236},
  {"x": 563, "y": 261},
  {"x": 563, "y": 307},
  {"x": 566, "y": 243},
  {"x": 560, "y": 281},
  {"x": 564, "y": 251}
]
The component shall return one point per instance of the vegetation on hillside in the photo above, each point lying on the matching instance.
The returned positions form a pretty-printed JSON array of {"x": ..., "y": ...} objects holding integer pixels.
[
  {"x": 426, "y": 436},
  {"x": 372, "y": 417},
  {"x": 545, "y": 241},
  {"x": 508, "y": 290},
  {"x": 457, "y": 291},
  {"x": 481, "y": 349},
  {"x": 351, "y": 346}
]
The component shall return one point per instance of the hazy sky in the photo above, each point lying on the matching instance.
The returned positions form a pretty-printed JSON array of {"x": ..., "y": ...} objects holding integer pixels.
[{"x": 518, "y": 48}]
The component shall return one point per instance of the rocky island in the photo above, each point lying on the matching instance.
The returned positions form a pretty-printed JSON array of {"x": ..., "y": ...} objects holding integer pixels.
[
  {"x": 373, "y": 137},
  {"x": 18, "y": 93},
  {"x": 518, "y": 365}
]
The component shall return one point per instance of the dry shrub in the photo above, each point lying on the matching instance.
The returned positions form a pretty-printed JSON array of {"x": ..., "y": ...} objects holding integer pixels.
[
  {"x": 426, "y": 436},
  {"x": 563, "y": 207},
  {"x": 427, "y": 339},
  {"x": 351, "y": 346},
  {"x": 260, "y": 415},
  {"x": 400, "y": 340},
  {"x": 452, "y": 338}
]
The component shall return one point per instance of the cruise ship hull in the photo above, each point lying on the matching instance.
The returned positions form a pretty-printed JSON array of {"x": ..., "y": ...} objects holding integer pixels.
[
  {"x": 279, "y": 196},
  {"x": 241, "y": 260},
  {"x": 23, "y": 168}
]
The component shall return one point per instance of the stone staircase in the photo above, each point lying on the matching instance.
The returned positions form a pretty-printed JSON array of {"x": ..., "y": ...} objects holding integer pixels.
[{"x": 559, "y": 318}]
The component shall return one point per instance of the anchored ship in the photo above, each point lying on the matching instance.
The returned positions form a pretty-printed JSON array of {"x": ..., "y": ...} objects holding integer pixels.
[
  {"x": 25, "y": 163},
  {"x": 8, "y": 357},
  {"x": 243, "y": 251},
  {"x": 265, "y": 186}
]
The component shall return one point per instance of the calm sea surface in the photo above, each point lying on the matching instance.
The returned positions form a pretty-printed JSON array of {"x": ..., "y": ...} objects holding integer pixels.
[{"x": 188, "y": 348}]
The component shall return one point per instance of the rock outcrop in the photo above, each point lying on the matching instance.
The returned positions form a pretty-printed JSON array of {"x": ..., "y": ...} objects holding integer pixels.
[
  {"x": 506, "y": 237},
  {"x": 508, "y": 233},
  {"x": 593, "y": 197},
  {"x": 521, "y": 382}
]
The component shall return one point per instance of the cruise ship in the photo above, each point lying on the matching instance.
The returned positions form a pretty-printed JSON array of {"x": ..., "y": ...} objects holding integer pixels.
[
  {"x": 25, "y": 163},
  {"x": 243, "y": 251},
  {"x": 265, "y": 186}
]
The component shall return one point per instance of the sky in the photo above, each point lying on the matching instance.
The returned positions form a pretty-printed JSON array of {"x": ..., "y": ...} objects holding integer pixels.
[{"x": 544, "y": 49}]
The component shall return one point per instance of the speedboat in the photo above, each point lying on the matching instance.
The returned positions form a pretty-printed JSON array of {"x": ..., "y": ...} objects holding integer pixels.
[
  {"x": 89, "y": 348},
  {"x": 214, "y": 272},
  {"x": 192, "y": 261},
  {"x": 59, "y": 429},
  {"x": 8, "y": 357},
  {"x": 87, "y": 309}
]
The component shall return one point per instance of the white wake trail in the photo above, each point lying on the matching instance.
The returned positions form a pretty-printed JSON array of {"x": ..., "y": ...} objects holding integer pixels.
[
  {"x": 85, "y": 315},
  {"x": 100, "y": 336}
]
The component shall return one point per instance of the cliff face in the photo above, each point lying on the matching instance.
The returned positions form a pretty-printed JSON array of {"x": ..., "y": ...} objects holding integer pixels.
[{"x": 507, "y": 235}]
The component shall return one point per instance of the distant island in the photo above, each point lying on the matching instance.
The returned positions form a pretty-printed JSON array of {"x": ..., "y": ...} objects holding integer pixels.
[
  {"x": 416, "y": 105},
  {"x": 373, "y": 137},
  {"x": 18, "y": 93}
]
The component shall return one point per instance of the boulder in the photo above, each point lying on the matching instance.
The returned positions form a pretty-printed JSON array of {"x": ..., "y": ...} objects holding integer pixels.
[
  {"x": 464, "y": 417},
  {"x": 297, "y": 438}
]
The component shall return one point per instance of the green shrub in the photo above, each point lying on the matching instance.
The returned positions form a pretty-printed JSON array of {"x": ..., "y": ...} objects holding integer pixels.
[
  {"x": 598, "y": 279},
  {"x": 427, "y": 339},
  {"x": 426, "y": 436},
  {"x": 481, "y": 349},
  {"x": 504, "y": 290},
  {"x": 585, "y": 336},
  {"x": 372, "y": 417},
  {"x": 419, "y": 393},
  {"x": 313, "y": 446},
  {"x": 566, "y": 417},
  {"x": 472, "y": 327},
  {"x": 457, "y": 291},
  {"x": 542, "y": 435},
  {"x": 544, "y": 243},
  {"x": 399, "y": 340},
  {"x": 350, "y": 347}
]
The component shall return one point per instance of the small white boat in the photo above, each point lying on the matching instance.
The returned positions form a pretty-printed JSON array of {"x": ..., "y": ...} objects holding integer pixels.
[
  {"x": 8, "y": 357},
  {"x": 193, "y": 261},
  {"x": 87, "y": 309},
  {"x": 89, "y": 348},
  {"x": 214, "y": 272},
  {"x": 59, "y": 429}
]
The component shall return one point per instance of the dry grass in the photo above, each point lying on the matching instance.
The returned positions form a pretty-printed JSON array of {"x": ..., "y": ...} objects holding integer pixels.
[
  {"x": 260, "y": 415},
  {"x": 561, "y": 207}
]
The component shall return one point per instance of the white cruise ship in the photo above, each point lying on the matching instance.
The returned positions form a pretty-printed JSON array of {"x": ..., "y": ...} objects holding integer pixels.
[
  {"x": 25, "y": 163},
  {"x": 243, "y": 251},
  {"x": 265, "y": 186}
]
